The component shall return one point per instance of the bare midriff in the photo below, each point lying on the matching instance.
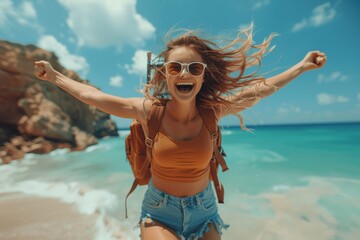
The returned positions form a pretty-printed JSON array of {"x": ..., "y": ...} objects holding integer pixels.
[{"x": 180, "y": 189}]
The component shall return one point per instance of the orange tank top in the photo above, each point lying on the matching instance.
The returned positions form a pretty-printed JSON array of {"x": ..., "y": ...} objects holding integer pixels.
[{"x": 182, "y": 161}]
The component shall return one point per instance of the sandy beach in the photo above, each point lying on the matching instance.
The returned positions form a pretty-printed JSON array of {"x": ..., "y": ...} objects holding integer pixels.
[{"x": 30, "y": 217}]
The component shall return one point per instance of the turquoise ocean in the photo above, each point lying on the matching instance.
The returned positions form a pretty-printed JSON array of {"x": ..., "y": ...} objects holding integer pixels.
[{"x": 285, "y": 182}]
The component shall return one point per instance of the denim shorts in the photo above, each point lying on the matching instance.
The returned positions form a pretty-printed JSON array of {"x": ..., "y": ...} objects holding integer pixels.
[{"x": 189, "y": 216}]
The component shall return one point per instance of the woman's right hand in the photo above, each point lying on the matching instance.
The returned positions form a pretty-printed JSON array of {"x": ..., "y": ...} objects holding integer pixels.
[{"x": 44, "y": 71}]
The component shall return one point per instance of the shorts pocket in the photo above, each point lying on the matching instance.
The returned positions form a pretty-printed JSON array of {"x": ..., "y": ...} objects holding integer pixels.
[
  {"x": 153, "y": 200},
  {"x": 208, "y": 202}
]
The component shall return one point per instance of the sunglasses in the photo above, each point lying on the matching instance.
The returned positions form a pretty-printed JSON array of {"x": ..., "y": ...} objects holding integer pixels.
[{"x": 195, "y": 69}]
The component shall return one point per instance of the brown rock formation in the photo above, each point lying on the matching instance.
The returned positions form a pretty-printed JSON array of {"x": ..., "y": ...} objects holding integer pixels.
[{"x": 36, "y": 116}]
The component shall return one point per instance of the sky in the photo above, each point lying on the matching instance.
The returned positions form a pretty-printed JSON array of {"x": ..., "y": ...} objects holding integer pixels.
[{"x": 106, "y": 43}]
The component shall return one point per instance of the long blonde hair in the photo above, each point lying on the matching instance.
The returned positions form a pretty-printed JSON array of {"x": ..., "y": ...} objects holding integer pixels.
[{"x": 225, "y": 70}]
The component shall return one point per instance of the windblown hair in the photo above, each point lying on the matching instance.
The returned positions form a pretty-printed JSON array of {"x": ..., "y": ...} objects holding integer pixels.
[{"x": 225, "y": 70}]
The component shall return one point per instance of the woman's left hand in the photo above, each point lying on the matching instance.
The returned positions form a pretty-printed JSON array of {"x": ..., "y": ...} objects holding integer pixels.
[{"x": 313, "y": 60}]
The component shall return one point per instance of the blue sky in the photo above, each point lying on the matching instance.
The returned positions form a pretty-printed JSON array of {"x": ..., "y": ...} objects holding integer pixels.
[{"x": 105, "y": 41}]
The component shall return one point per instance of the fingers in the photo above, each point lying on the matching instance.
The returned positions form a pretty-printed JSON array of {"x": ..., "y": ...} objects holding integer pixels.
[
  {"x": 39, "y": 72},
  {"x": 320, "y": 60},
  {"x": 317, "y": 57},
  {"x": 40, "y": 69}
]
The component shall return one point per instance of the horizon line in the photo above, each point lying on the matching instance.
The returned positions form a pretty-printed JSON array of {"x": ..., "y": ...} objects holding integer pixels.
[{"x": 278, "y": 124}]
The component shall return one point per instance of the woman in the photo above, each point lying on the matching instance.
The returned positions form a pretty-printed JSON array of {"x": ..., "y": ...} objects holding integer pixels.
[{"x": 196, "y": 73}]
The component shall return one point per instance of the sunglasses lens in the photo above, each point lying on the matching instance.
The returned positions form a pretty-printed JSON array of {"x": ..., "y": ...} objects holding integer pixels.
[
  {"x": 173, "y": 68},
  {"x": 196, "y": 69}
]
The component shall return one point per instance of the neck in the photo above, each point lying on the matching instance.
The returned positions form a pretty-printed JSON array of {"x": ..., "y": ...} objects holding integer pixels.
[{"x": 182, "y": 111}]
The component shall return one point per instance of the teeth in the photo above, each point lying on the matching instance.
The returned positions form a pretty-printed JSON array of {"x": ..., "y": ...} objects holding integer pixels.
[{"x": 184, "y": 83}]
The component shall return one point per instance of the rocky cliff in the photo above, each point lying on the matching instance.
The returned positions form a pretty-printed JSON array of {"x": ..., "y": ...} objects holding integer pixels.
[{"x": 38, "y": 117}]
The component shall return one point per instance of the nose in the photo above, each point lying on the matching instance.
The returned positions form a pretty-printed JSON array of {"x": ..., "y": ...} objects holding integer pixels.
[{"x": 184, "y": 72}]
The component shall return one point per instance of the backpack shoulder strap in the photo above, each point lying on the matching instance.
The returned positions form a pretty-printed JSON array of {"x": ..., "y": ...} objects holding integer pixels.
[
  {"x": 153, "y": 125},
  {"x": 211, "y": 123},
  {"x": 155, "y": 118},
  {"x": 208, "y": 116}
]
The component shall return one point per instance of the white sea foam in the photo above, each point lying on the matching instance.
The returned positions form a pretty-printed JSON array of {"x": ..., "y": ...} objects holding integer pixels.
[
  {"x": 97, "y": 147},
  {"x": 262, "y": 155},
  {"x": 281, "y": 188},
  {"x": 123, "y": 133},
  {"x": 88, "y": 201},
  {"x": 271, "y": 156},
  {"x": 7, "y": 171},
  {"x": 313, "y": 211},
  {"x": 226, "y": 132},
  {"x": 29, "y": 156},
  {"x": 59, "y": 152}
]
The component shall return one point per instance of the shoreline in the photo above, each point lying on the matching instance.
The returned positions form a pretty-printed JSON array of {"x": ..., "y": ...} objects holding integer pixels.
[{"x": 29, "y": 217}]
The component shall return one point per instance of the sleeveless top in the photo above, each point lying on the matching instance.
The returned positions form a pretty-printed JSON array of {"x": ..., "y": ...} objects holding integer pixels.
[{"x": 182, "y": 161}]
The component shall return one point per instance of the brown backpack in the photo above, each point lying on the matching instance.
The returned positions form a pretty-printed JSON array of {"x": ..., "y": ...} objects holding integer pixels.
[{"x": 139, "y": 149}]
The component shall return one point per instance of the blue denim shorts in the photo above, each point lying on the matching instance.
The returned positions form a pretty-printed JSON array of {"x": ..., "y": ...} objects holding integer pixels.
[{"x": 189, "y": 216}]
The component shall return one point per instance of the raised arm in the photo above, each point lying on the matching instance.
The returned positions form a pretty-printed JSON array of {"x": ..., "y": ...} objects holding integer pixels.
[
  {"x": 121, "y": 107},
  {"x": 252, "y": 95}
]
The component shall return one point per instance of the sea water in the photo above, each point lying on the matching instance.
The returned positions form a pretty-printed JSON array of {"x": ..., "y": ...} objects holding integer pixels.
[{"x": 285, "y": 182}]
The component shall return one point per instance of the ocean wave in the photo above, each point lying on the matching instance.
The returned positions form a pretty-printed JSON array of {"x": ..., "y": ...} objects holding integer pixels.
[
  {"x": 270, "y": 156},
  {"x": 258, "y": 155},
  {"x": 226, "y": 132},
  {"x": 15, "y": 167},
  {"x": 281, "y": 188},
  {"x": 88, "y": 201},
  {"x": 98, "y": 147},
  {"x": 323, "y": 208},
  {"x": 123, "y": 133},
  {"x": 59, "y": 152}
]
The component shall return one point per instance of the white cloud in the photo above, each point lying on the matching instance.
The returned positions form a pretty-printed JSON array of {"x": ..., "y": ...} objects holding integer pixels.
[
  {"x": 28, "y": 9},
  {"x": 139, "y": 63},
  {"x": 24, "y": 13},
  {"x": 326, "y": 99},
  {"x": 260, "y": 4},
  {"x": 116, "y": 81},
  {"x": 335, "y": 76},
  {"x": 321, "y": 15},
  {"x": 288, "y": 108},
  {"x": 107, "y": 23},
  {"x": 70, "y": 61},
  {"x": 5, "y": 8},
  {"x": 300, "y": 25},
  {"x": 358, "y": 96}
]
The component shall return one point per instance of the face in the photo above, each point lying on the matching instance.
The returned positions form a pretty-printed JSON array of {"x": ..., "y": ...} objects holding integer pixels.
[{"x": 184, "y": 86}]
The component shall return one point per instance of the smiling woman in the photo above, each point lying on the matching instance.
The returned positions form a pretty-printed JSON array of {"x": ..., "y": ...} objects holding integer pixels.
[
  {"x": 174, "y": 69},
  {"x": 197, "y": 74}
]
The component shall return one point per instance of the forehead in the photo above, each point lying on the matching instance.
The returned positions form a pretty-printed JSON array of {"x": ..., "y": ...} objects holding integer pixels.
[{"x": 184, "y": 54}]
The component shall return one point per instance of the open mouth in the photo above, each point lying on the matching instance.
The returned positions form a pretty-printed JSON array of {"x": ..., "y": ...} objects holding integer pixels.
[{"x": 184, "y": 86}]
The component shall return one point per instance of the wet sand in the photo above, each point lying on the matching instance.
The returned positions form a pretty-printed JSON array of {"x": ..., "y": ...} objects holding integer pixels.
[{"x": 25, "y": 217}]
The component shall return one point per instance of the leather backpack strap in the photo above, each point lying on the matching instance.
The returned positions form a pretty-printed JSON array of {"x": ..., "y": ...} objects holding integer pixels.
[
  {"x": 220, "y": 192},
  {"x": 208, "y": 116},
  {"x": 153, "y": 123},
  {"x": 210, "y": 121},
  {"x": 133, "y": 187}
]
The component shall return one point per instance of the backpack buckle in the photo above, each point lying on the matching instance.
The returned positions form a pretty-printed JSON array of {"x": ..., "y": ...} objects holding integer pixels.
[
  {"x": 148, "y": 142},
  {"x": 214, "y": 136}
]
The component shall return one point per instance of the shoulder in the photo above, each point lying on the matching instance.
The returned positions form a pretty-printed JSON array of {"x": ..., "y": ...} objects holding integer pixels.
[{"x": 146, "y": 105}]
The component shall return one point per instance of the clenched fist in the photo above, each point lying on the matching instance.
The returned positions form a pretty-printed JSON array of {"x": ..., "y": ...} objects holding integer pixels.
[
  {"x": 44, "y": 71},
  {"x": 313, "y": 60}
]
